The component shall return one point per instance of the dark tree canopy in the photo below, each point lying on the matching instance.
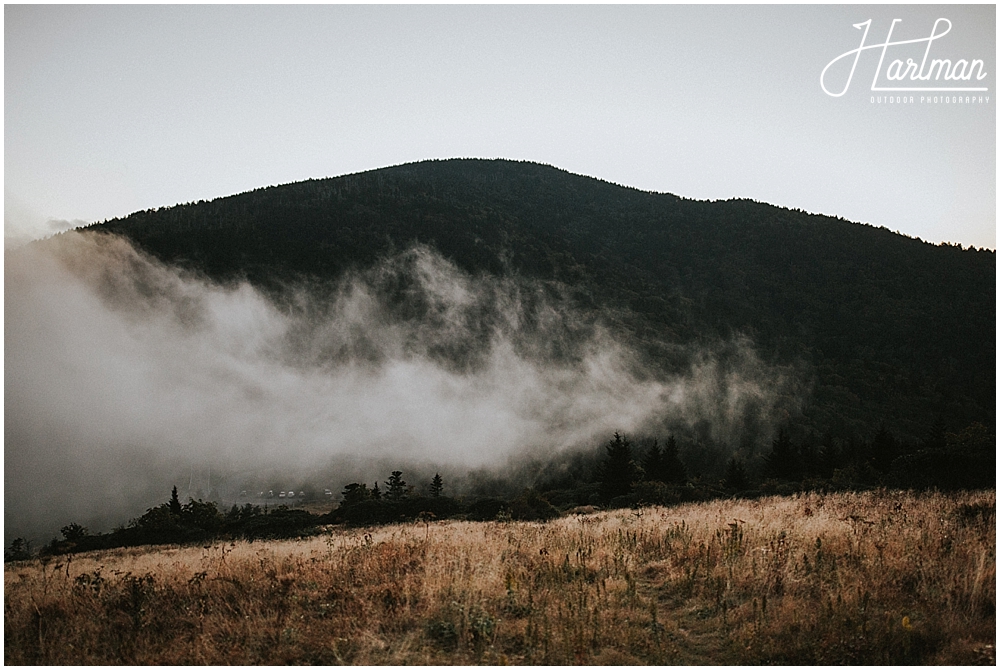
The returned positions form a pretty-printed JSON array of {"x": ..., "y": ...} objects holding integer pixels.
[
  {"x": 619, "y": 471},
  {"x": 175, "y": 502},
  {"x": 673, "y": 467},
  {"x": 19, "y": 550},
  {"x": 74, "y": 532},
  {"x": 736, "y": 475},
  {"x": 652, "y": 464},
  {"x": 883, "y": 450},
  {"x": 396, "y": 486},
  {"x": 355, "y": 493},
  {"x": 888, "y": 327},
  {"x": 783, "y": 461},
  {"x": 437, "y": 485}
]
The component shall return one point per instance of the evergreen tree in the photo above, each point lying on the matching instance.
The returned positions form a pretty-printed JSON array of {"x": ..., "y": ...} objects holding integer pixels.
[
  {"x": 396, "y": 487},
  {"x": 782, "y": 462},
  {"x": 354, "y": 493},
  {"x": 736, "y": 475},
  {"x": 829, "y": 458},
  {"x": 19, "y": 550},
  {"x": 673, "y": 468},
  {"x": 652, "y": 464},
  {"x": 618, "y": 472},
  {"x": 175, "y": 503},
  {"x": 437, "y": 485},
  {"x": 376, "y": 492},
  {"x": 809, "y": 460}
]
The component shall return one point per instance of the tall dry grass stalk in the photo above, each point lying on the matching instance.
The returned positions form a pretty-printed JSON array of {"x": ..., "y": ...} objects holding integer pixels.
[{"x": 866, "y": 578}]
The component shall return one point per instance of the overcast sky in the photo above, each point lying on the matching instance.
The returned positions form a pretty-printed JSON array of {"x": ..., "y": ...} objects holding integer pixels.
[{"x": 112, "y": 109}]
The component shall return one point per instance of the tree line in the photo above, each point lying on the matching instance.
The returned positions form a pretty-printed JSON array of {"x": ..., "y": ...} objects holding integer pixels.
[
  {"x": 965, "y": 459},
  {"x": 624, "y": 475}
]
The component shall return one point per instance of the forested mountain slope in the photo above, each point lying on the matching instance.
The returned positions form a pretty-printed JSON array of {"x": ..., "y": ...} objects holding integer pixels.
[{"x": 887, "y": 330}]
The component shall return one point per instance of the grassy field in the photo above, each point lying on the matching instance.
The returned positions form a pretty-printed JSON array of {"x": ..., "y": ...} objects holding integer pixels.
[{"x": 868, "y": 578}]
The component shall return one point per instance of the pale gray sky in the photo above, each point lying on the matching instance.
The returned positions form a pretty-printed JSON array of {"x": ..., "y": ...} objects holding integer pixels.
[{"x": 111, "y": 109}]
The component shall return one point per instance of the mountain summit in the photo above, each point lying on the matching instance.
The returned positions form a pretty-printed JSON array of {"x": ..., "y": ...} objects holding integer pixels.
[{"x": 889, "y": 330}]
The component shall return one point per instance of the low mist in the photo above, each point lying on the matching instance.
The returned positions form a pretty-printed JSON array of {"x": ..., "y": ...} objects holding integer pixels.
[{"x": 124, "y": 376}]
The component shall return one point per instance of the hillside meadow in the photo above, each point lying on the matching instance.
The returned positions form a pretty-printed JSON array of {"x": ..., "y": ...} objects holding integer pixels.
[{"x": 878, "y": 577}]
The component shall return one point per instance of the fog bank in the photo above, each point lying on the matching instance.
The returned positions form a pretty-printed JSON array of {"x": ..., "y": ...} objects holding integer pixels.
[{"x": 122, "y": 372}]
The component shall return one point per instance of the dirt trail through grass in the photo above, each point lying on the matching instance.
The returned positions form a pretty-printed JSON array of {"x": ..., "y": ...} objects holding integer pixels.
[{"x": 692, "y": 633}]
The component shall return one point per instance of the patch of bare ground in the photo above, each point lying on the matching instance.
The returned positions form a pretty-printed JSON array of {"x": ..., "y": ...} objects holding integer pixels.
[{"x": 869, "y": 578}]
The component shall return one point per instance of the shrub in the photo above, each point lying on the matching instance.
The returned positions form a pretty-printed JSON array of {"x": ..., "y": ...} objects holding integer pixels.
[{"x": 19, "y": 550}]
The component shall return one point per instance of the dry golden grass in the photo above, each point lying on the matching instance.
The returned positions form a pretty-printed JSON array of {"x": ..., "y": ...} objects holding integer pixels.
[{"x": 871, "y": 578}]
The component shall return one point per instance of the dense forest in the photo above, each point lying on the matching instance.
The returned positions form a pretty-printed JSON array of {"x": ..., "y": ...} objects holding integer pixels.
[{"x": 887, "y": 332}]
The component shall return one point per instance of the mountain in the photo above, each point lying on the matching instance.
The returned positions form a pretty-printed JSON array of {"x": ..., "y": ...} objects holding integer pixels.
[{"x": 888, "y": 331}]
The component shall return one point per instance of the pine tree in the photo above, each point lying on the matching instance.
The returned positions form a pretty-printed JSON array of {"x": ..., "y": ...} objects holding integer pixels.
[
  {"x": 829, "y": 458},
  {"x": 652, "y": 464},
  {"x": 619, "y": 471},
  {"x": 809, "y": 461},
  {"x": 175, "y": 503},
  {"x": 437, "y": 485},
  {"x": 19, "y": 550},
  {"x": 782, "y": 462},
  {"x": 673, "y": 468},
  {"x": 354, "y": 493},
  {"x": 376, "y": 492},
  {"x": 736, "y": 475},
  {"x": 396, "y": 486}
]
